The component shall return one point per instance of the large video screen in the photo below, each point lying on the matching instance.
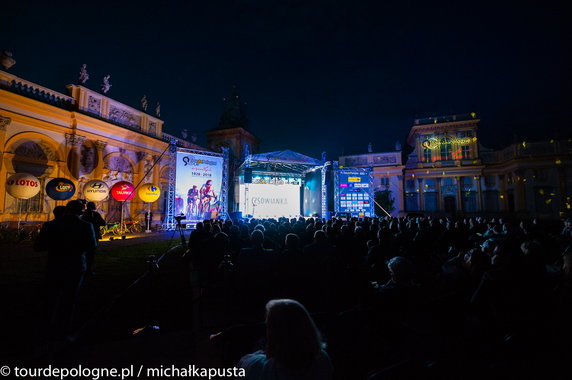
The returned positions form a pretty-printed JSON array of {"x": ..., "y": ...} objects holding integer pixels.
[
  {"x": 355, "y": 193},
  {"x": 198, "y": 185},
  {"x": 269, "y": 200}
]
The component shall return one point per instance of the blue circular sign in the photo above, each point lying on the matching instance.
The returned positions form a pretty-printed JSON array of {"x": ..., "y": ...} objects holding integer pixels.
[{"x": 60, "y": 189}]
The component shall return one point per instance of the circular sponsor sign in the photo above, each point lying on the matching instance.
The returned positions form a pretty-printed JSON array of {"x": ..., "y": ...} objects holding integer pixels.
[
  {"x": 95, "y": 190},
  {"x": 60, "y": 189},
  {"x": 123, "y": 191},
  {"x": 22, "y": 185},
  {"x": 149, "y": 192}
]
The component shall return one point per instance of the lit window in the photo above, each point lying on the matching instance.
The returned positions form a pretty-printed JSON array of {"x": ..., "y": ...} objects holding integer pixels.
[
  {"x": 426, "y": 155},
  {"x": 465, "y": 152},
  {"x": 446, "y": 149}
]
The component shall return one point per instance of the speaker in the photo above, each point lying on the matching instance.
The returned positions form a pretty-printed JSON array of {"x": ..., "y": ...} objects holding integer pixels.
[{"x": 248, "y": 175}]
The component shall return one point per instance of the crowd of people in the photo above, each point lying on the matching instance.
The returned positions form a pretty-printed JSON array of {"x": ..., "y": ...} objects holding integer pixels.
[{"x": 414, "y": 295}]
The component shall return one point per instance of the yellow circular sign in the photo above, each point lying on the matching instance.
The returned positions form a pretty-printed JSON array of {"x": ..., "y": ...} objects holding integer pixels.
[{"x": 149, "y": 192}]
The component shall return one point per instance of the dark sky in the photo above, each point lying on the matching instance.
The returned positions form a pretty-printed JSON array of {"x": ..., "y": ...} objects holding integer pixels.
[{"x": 316, "y": 75}]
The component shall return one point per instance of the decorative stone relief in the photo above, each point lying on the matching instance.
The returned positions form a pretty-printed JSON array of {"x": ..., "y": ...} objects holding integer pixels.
[
  {"x": 124, "y": 116},
  {"x": 100, "y": 145},
  {"x": 118, "y": 169},
  {"x": 152, "y": 128},
  {"x": 350, "y": 161},
  {"x": 4, "y": 122},
  {"x": 118, "y": 163},
  {"x": 94, "y": 104},
  {"x": 74, "y": 140},
  {"x": 141, "y": 156},
  {"x": 385, "y": 159}
]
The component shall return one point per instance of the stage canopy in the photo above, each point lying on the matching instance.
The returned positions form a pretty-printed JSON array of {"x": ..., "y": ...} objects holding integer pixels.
[{"x": 282, "y": 161}]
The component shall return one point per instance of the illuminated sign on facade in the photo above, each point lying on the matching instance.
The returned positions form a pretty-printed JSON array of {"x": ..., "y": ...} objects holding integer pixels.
[{"x": 434, "y": 142}]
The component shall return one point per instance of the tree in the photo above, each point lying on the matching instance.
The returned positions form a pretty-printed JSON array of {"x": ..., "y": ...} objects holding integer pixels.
[{"x": 384, "y": 198}]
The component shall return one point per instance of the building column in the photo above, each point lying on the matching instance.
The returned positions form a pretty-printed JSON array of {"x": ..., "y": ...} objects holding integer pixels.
[
  {"x": 563, "y": 189},
  {"x": 401, "y": 193},
  {"x": 420, "y": 191},
  {"x": 439, "y": 194},
  {"x": 73, "y": 143},
  {"x": 503, "y": 194},
  {"x": 519, "y": 196},
  {"x": 4, "y": 122},
  {"x": 138, "y": 205},
  {"x": 157, "y": 181},
  {"x": 479, "y": 194},
  {"x": 459, "y": 193},
  {"x": 100, "y": 146}
]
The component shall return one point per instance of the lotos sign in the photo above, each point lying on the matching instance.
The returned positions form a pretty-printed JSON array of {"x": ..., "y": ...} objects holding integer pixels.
[
  {"x": 60, "y": 189},
  {"x": 22, "y": 185},
  {"x": 123, "y": 191},
  {"x": 149, "y": 192},
  {"x": 95, "y": 190}
]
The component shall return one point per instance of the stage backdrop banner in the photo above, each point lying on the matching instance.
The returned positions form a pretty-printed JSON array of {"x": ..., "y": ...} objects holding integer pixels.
[
  {"x": 270, "y": 201},
  {"x": 198, "y": 185}
]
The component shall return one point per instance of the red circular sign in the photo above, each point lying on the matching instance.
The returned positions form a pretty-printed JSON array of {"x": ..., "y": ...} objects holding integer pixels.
[{"x": 123, "y": 191}]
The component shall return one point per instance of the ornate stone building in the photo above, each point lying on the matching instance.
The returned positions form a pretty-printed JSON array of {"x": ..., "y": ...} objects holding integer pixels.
[
  {"x": 81, "y": 135},
  {"x": 449, "y": 172}
]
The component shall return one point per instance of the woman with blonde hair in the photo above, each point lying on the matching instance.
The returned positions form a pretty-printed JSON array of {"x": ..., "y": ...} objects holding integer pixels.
[{"x": 293, "y": 346}]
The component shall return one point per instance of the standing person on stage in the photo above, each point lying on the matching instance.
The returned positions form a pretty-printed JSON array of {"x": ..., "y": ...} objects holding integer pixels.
[
  {"x": 207, "y": 195},
  {"x": 192, "y": 199},
  {"x": 90, "y": 215},
  {"x": 67, "y": 239}
]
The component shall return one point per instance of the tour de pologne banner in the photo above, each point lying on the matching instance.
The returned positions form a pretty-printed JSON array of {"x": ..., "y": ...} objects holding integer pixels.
[{"x": 198, "y": 185}]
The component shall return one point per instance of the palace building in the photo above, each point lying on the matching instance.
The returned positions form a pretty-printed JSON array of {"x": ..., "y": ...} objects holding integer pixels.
[
  {"x": 81, "y": 135},
  {"x": 449, "y": 172}
]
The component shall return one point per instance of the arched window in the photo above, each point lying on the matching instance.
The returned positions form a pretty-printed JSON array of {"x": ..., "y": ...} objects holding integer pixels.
[{"x": 446, "y": 149}]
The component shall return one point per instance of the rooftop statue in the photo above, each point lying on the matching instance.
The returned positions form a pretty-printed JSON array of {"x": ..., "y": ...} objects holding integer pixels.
[
  {"x": 106, "y": 86},
  {"x": 144, "y": 103},
  {"x": 233, "y": 115},
  {"x": 83, "y": 75},
  {"x": 6, "y": 60},
  {"x": 158, "y": 110}
]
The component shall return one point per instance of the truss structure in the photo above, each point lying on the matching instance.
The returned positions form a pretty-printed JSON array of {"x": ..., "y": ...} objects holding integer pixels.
[
  {"x": 169, "y": 222},
  {"x": 325, "y": 190}
]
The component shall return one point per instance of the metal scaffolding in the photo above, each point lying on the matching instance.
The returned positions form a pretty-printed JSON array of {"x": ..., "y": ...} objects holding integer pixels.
[{"x": 169, "y": 222}]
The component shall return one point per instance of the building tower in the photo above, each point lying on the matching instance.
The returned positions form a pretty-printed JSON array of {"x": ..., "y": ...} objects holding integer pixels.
[{"x": 232, "y": 133}]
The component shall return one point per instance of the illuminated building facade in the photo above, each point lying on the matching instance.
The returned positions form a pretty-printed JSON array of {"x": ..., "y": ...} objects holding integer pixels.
[
  {"x": 450, "y": 173},
  {"x": 81, "y": 135}
]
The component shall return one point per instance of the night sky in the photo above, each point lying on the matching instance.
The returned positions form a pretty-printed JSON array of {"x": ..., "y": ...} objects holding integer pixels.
[{"x": 316, "y": 75}]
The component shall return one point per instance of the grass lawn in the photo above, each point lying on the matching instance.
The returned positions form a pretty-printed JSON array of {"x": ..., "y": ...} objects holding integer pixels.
[{"x": 106, "y": 310}]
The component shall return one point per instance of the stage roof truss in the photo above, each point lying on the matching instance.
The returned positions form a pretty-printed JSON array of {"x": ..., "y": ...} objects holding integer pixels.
[{"x": 283, "y": 163}]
